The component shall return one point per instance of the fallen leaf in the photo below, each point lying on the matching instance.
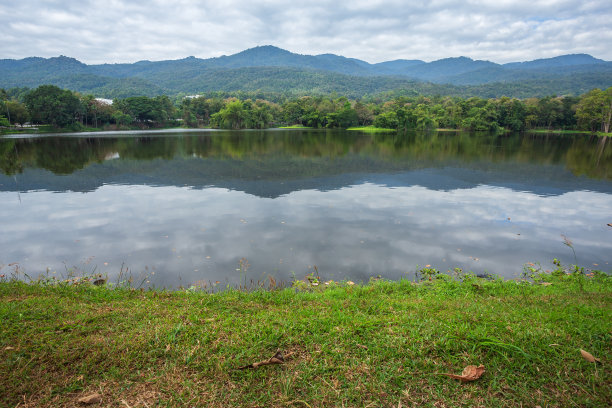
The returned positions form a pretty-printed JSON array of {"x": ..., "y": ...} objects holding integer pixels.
[
  {"x": 589, "y": 357},
  {"x": 277, "y": 358},
  {"x": 553, "y": 345},
  {"x": 9, "y": 348},
  {"x": 546, "y": 283},
  {"x": 91, "y": 399},
  {"x": 470, "y": 373}
]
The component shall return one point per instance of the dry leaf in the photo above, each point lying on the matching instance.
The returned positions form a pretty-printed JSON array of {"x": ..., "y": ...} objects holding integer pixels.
[
  {"x": 9, "y": 348},
  {"x": 277, "y": 358},
  {"x": 546, "y": 283},
  {"x": 91, "y": 399},
  {"x": 589, "y": 357},
  {"x": 470, "y": 373}
]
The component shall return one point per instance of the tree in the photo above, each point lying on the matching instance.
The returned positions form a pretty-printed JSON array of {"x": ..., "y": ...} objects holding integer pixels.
[
  {"x": 17, "y": 111},
  {"x": 594, "y": 110},
  {"x": 232, "y": 116},
  {"x": 52, "y": 105},
  {"x": 387, "y": 120}
]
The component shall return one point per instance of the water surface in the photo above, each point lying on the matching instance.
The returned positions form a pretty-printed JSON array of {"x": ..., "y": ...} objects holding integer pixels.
[{"x": 186, "y": 207}]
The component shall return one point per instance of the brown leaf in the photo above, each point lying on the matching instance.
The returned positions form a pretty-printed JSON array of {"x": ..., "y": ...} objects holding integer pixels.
[
  {"x": 589, "y": 357},
  {"x": 275, "y": 359},
  {"x": 91, "y": 399},
  {"x": 470, "y": 373}
]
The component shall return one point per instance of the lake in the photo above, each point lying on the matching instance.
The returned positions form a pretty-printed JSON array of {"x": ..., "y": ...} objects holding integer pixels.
[{"x": 182, "y": 208}]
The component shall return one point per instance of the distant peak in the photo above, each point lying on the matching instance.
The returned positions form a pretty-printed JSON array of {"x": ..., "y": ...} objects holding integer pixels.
[
  {"x": 264, "y": 48},
  {"x": 561, "y": 60},
  {"x": 65, "y": 60}
]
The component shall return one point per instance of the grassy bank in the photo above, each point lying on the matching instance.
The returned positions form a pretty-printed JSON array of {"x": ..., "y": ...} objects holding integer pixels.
[
  {"x": 381, "y": 344},
  {"x": 372, "y": 129},
  {"x": 295, "y": 127}
]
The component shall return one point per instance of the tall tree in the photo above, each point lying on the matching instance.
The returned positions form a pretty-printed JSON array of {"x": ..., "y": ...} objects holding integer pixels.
[
  {"x": 52, "y": 105},
  {"x": 594, "y": 111}
]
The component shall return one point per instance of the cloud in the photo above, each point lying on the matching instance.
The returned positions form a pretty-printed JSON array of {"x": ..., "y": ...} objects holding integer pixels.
[
  {"x": 351, "y": 233},
  {"x": 127, "y": 31}
]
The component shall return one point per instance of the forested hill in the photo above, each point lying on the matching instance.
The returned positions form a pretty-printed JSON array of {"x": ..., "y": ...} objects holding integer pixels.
[{"x": 271, "y": 69}]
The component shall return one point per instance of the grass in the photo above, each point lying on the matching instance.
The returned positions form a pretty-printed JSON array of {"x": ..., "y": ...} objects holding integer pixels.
[
  {"x": 372, "y": 129},
  {"x": 295, "y": 127},
  {"x": 381, "y": 344}
]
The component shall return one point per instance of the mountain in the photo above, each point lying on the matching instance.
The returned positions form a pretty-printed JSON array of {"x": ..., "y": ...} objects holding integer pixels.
[
  {"x": 272, "y": 69},
  {"x": 561, "y": 61}
]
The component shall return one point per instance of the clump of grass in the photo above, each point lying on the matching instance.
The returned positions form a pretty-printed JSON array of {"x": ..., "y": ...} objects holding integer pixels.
[
  {"x": 372, "y": 129},
  {"x": 295, "y": 127},
  {"x": 378, "y": 344}
]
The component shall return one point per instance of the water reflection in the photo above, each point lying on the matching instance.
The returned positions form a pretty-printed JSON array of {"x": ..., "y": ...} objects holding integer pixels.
[{"x": 189, "y": 207}]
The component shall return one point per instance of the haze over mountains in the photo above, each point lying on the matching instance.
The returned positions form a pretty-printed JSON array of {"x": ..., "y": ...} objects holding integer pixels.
[{"x": 271, "y": 69}]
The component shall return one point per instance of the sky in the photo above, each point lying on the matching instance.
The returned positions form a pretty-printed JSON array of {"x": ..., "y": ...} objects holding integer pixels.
[{"x": 99, "y": 31}]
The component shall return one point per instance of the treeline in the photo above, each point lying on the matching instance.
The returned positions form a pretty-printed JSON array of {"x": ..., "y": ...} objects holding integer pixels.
[{"x": 60, "y": 108}]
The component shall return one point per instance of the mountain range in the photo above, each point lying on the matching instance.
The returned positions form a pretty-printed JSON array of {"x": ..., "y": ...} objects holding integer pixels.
[{"x": 274, "y": 70}]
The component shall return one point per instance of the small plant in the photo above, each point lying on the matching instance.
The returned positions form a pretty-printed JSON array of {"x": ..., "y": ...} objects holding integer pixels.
[
  {"x": 568, "y": 242},
  {"x": 243, "y": 267},
  {"x": 429, "y": 273}
]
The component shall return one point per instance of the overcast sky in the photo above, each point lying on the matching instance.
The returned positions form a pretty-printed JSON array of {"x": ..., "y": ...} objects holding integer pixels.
[{"x": 96, "y": 31}]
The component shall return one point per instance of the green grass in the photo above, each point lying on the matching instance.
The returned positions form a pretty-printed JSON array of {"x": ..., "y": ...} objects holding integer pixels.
[
  {"x": 378, "y": 345},
  {"x": 372, "y": 129},
  {"x": 295, "y": 127}
]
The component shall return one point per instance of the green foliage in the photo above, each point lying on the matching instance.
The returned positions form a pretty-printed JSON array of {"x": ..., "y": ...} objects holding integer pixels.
[
  {"x": 52, "y": 105},
  {"x": 387, "y": 120},
  {"x": 594, "y": 111},
  {"x": 17, "y": 112},
  {"x": 61, "y": 108}
]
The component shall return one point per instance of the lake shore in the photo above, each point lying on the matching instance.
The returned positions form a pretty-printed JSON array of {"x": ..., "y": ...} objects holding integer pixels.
[{"x": 380, "y": 344}]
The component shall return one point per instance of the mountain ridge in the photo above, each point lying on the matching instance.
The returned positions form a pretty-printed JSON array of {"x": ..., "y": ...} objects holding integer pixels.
[{"x": 279, "y": 70}]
